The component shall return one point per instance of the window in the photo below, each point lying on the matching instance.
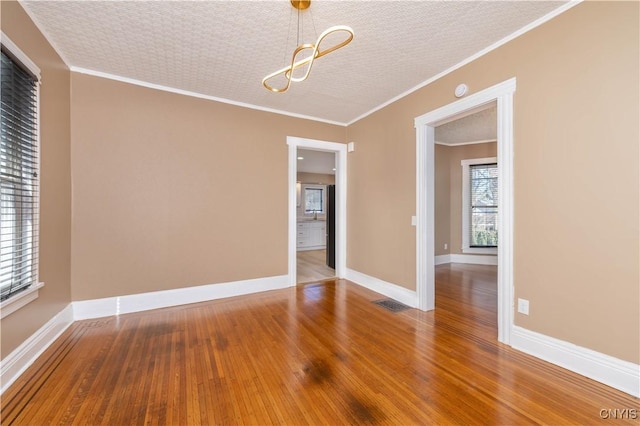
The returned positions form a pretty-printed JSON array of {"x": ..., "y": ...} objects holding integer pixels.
[
  {"x": 313, "y": 199},
  {"x": 19, "y": 163},
  {"x": 480, "y": 205}
]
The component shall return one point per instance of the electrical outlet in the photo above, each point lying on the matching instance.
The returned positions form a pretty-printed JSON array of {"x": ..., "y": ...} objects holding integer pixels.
[
  {"x": 523, "y": 306},
  {"x": 446, "y": 246}
]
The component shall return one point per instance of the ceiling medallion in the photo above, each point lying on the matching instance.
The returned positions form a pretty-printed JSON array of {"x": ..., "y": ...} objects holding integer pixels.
[{"x": 300, "y": 66}]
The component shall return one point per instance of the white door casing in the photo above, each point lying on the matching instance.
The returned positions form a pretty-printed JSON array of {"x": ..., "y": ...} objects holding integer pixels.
[
  {"x": 340, "y": 151},
  {"x": 502, "y": 94}
]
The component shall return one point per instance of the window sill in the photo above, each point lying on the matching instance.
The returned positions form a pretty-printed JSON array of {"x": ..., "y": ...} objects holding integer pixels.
[
  {"x": 478, "y": 250},
  {"x": 21, "y": 299}
]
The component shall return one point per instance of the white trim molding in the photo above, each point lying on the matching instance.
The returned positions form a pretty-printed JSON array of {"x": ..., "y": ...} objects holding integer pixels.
[
  {"x": 614, "y": 372},
  {"x": 480, "y": 250},
  {"x": 466, "y": 258},
  {"x": 18, "y": 300},
  {"x": 340, "y": 150},
  {"x": 109, "y": 306},
  {"x": 502, "y": 94},
  {"x": 31, "y": 293},
  {"x": 20, "y": 56},
  {"x": 198, "y": 95},
  {"x": 14, "y": 364},
  {"x": 425, "y": 216},
  {"x": 466, "y": 143},
  {"x": 561, "y": 9},
  {"x": 401, "y": 294}
]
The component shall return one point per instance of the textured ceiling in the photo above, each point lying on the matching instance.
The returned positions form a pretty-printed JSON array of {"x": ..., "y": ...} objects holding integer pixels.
[
  {"x": 481, "y": 126},
  {"x": 223, "y": 49}
]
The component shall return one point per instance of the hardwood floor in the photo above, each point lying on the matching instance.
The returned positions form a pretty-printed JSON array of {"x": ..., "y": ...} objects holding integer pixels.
[
  {"x": 312, "y": 266},
  {"x": 320, "y": 353}
]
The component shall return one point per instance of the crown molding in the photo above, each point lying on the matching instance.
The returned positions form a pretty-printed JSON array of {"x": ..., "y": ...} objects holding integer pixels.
[{"x": 472, "y": 58}]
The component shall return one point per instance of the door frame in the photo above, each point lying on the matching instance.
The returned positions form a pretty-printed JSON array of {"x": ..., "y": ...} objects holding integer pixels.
[
  {"x": 502, "y": 94},
  {"x": 340, "y": 151}
]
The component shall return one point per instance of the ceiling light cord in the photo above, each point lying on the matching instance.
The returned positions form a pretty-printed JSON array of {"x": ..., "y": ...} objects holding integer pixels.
[
  {"x": 286, "y": 46},
  {"x": 298, "y": 30}
]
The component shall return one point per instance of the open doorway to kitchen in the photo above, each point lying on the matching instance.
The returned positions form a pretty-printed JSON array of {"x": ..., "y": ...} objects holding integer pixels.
[
  {"x": 315, "y": 215},
  {"x": 317, "y": 210}
]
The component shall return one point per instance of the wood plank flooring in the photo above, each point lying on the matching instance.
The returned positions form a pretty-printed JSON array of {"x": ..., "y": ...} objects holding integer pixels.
[
  {"x": 312, "y": 266},
  {"x": 320, "y": 353}
]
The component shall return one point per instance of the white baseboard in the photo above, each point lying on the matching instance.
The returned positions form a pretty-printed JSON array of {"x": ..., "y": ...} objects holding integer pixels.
[
  {"x": 618, "y": 374},
  {"x": 97, "y": 308},
  {"x": 401, "y": 294},
  {"x": 466, "y": 258},
  {"x": 14, "y": 364}
]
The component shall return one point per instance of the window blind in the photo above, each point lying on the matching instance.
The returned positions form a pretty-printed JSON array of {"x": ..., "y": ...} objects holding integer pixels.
[
  {"x": 483, "y": 231},
  {"x": 18, "y": 178}
]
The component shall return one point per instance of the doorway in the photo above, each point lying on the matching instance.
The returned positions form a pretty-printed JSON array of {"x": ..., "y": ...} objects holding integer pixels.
[
  {"x": 339, "y": 150},
  {"x": 315, "y": 222},
  {"x": 466, "y": 204},
  {"x": 502, "y": 94}
]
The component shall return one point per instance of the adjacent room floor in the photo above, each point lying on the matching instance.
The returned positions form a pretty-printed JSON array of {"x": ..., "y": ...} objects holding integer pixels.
[
  {"x": 320, "y": 353},
  {"x": 312, "y": 266}
]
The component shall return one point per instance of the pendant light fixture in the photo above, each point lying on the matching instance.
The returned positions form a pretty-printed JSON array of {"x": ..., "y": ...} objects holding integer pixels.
[{"x": 301, "y": 64}]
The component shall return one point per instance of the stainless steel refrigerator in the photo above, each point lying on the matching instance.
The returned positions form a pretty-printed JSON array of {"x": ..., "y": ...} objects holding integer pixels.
[{"x": 331, "y": 226}]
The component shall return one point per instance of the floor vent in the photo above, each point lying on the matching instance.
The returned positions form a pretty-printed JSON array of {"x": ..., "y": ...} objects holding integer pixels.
[{"x": 391, "y": 305}]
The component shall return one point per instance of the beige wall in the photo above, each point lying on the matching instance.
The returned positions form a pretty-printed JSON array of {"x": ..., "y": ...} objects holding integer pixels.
[
  {"x": 448, "y": 216},
  {"x": 381, "y": 197},
  {"x": 442, "y": 213},
  {"x": 55, "y": 182},
  {"x": 172, "y": 191},
  {"x": 576, "y": 176}
]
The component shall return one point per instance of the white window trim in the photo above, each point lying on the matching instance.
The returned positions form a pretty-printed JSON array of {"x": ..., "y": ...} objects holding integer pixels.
[
  {"x": 466, "y": 206},
  {"x": 21, "y": 57},
  {"x": 18, "y": 300}
]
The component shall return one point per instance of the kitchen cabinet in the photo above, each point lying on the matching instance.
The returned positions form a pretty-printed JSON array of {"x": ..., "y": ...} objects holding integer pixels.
[{"x": 311, "y": 235}]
